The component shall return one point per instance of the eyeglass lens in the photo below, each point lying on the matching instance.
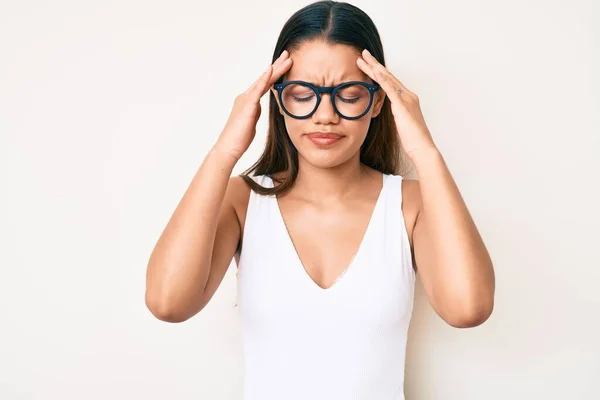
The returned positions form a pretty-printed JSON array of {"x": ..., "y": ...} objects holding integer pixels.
[{"x": 351, "y": 101}]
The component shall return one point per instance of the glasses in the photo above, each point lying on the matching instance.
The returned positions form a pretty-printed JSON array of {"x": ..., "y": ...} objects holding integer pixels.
[{"x": 351, "y": 100}]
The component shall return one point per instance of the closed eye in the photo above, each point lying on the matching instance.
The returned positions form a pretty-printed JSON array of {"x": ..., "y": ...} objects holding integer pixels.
[
  {"x": 349, "y": 100},
  {"x": 303, "y": 99}
]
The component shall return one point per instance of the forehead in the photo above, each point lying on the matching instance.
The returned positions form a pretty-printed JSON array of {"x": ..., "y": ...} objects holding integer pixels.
[{"x": 325, "y": 64}]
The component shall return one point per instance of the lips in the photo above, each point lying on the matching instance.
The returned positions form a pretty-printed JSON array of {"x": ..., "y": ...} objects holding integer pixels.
[
  {"x": 324, "y": 139},
  {"x": 324, "y": 135}
]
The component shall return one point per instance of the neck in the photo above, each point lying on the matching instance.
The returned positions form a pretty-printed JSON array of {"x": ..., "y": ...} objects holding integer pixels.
[{"x": 325, "y": 185}]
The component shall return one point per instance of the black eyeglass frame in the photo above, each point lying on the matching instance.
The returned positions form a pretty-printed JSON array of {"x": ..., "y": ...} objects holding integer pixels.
[{"x": 374, "y": 87}]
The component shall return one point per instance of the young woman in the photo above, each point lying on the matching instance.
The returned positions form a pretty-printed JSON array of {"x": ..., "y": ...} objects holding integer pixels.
[{"x": 326, "y": 234}]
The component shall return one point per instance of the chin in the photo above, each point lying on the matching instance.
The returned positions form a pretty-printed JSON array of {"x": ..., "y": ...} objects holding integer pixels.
[{"x": 324, "y": 158}]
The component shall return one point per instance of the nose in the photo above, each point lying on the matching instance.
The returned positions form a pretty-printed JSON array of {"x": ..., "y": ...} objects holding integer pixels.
[{"x": 325, "y": 113}]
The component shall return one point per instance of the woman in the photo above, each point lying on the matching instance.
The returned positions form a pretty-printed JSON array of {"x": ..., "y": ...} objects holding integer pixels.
[{"x": 326, "y": 234}]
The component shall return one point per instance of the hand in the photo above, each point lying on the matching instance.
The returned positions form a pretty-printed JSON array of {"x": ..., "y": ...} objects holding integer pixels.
[
  {"x": 240, "y": 128},
  {"x": 413, "y": 132}
]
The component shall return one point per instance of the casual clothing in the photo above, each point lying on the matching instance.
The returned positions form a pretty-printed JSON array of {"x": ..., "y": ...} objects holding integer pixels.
[{"x": 346, "y": 342}]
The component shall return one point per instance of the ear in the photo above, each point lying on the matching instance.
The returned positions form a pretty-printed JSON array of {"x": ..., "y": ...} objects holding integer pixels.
[
  {"x": 276, "y": 99},
  {"x": 378, "y": 102}
]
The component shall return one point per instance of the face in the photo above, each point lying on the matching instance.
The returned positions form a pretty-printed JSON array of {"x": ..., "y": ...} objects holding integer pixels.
[{"x": 324, "y": 64}]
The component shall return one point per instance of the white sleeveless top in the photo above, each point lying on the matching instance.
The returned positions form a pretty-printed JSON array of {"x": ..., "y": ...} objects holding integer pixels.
[{"x": 346, "y": 342}]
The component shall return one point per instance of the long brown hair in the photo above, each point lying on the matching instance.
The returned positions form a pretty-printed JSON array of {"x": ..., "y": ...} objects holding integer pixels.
[{"x": 336, "y": 23}]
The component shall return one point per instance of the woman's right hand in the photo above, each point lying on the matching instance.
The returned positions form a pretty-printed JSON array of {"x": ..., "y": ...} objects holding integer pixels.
[{"x": 240, "y": 128}]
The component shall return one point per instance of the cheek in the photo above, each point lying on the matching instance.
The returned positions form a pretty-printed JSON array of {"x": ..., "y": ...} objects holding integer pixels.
[{"x": 295, "y": 127}]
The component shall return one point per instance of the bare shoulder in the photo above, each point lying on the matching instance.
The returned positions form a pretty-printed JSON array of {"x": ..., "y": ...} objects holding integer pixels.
[
  {"x": 411, "y": 204},
  {"x": 411, "y": 192},
  {"x": 238, "y": 190}
]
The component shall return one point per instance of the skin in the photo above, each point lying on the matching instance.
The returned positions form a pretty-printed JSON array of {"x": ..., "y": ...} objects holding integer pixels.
[
  {"x": 329, "y": 208},
  {"x": 327, "y": 65}
]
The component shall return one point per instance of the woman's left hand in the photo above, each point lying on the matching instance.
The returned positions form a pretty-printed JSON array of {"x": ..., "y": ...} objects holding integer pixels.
[{"x": 412, "y": 129}]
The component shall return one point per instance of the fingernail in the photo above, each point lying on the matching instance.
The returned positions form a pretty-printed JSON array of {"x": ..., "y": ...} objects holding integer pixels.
[{"x": 283, "y": 53}]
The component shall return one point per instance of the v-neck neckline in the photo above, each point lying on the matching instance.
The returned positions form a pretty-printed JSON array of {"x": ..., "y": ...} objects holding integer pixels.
[{"x": 303, "y": 271}]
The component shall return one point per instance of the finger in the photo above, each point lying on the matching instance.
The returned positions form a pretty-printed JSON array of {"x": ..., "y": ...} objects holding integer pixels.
[
  {"x": 266, "y": 81},
  {"x": 281, "y": 57},
  {"x": 390, "y": 87},
  {"x": 373, "y": 62},
  {"x": 376, "y": 65},
  {"x": 376, "y": 75},
  {"x": 262, "y": 81},
  {"x": 366, "y": 68},
  {"x": 280, "y": 70},
  {"x": 262, "y": 84}
]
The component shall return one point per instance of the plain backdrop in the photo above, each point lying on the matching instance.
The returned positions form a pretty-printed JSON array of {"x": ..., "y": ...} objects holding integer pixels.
[{"x": 107, "y": 109}]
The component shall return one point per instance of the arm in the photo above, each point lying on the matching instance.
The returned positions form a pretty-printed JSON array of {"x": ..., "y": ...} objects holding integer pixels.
[
  {"x": 197, "y": 245},
  {"x": 454, "y": 264},
  {"x": 196, "y": 248}
]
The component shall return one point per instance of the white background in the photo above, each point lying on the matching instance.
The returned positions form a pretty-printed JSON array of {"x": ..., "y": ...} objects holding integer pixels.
[{"x": 107, "y": 109}]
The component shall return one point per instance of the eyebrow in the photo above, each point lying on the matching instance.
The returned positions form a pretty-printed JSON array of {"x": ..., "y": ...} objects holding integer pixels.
[{"x": 343, "y": 79}]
